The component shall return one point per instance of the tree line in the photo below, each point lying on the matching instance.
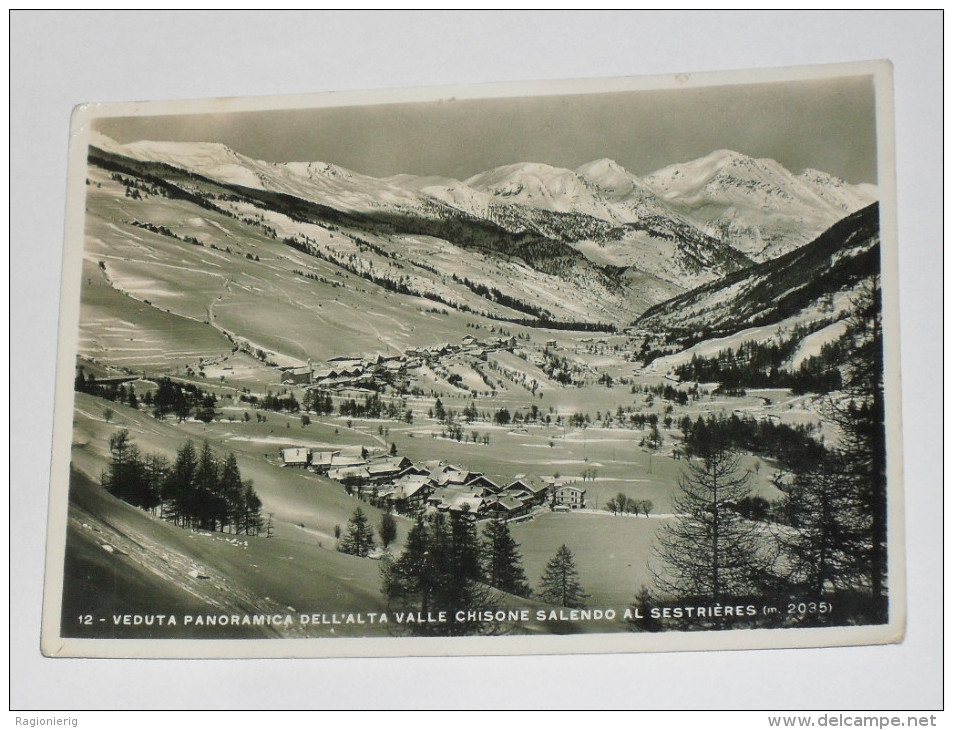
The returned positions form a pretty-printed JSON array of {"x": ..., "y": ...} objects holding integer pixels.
[
  {"x": 272, "y": 402},
  {"x": 197, "y": 490},
  {"x": 182, "y": 400},
  {"x": 624, "y": 505},
  {"x": 764, "y": 365},
  {"x": 832, "y": 546},
  {"x": 789, "y": 445},
  {"x": 373, "y": 407}
]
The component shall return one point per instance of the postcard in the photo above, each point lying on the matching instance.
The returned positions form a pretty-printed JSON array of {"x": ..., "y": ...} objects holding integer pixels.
[{"x": 603, "y": 365}]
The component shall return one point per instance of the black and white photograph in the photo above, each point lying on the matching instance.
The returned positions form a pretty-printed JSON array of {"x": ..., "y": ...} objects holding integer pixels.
[{"x": 575, "y": 367}]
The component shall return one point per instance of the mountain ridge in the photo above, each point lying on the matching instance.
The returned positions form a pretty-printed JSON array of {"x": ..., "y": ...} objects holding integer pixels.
[
  {"x": 831, "y": 265},
  {"x": 598, "y": 223}
]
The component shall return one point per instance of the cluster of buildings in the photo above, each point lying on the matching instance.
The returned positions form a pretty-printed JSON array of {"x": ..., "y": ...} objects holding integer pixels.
[
  {"x": 409, "y": 488},
  {"x": 347, "y": 372}
]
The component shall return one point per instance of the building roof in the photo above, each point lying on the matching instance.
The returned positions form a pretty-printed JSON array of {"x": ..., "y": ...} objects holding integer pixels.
[
  {"x": 433, "y": 466},
  {"x": 347, "y": 460},
  {"x": 405, "y": 489},
  {"x": 480, "y": 480},
  {"x": 322, "y": 458},
  {"x": 527, "y": 484},
  {"x": 412, "y": 479},
  {"x": 295, "y": 455},
  {"x": 343, "y": 472},
  {"x": 510, "y": 504},
  {"x": 381, "y": 468},
  {"x": 443, "y": 474},
  {"x": 464, "y": 503},
  {"x": 397, "y": 461},
  {"x": 451, "y": 475}
]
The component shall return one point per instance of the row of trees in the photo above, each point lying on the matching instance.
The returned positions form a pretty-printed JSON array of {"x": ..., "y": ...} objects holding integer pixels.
[
  {"x": 624, "y": 505},
  {"x": 197, "y": 490},
  {"x": 375, "y": 407},
  {"x": 272, "y": 402},
  {"x": 447, "y": 566},
  {"x": 182, "y": 400},
  {"x": 318, "y": 401},
  {"x": 788, "y": 445}
]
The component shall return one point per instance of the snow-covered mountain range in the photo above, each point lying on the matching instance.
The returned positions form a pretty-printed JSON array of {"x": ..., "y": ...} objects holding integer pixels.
[
  {"x": 650, "y": 238},
  {"x": 756, "y": 205}
]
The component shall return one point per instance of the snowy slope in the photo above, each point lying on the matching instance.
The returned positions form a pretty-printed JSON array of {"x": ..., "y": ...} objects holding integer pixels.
[
  {"x": 317, "y": 181},
  {"x": 542, "y": 186},
  {"x": 837, "y": 192},
  {"x": 756, "y": 205},
  {"x": 447, "y": 190},
  {"x": 835, "y": 262},
  {"x": 628, "y": 197}
]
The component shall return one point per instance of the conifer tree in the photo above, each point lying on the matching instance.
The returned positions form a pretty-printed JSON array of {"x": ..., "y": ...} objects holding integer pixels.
[
  {"x": 560, "y": 582},
  {"x": 232, "y": 493},
  {"x": 178, "y": 486},
  {"x": 643, "y": 620},
  {"x": 408, "y": 581},
  {"x": 818, "y": 547},
  {"x": 387, "y": 529},
  {"x": 251, "y": 523},
  {"x": 464, "y": 571},
  {"x": 502, "y": 566},
  {"x": 205, "y": 498},
  {"x": 124, "y": 476},
  {"x": 155, "y": 471},
  {"x": 862, "y": 451},
  {"x": 359, "y": 538},
  {"x": 439, "y": 570},
  {"x": 709, "y": 551}
]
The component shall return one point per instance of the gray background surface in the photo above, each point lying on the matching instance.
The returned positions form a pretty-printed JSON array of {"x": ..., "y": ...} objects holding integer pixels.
[{"x": 58, "y": 60}]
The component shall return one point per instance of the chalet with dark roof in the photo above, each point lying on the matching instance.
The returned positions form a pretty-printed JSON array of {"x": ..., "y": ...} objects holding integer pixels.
[
  {"x": 534, "y": 489},
  {"x": 407, "y": 494},
  {"x": 484, "y": 483},
  {"x": 506, "y": 506}
]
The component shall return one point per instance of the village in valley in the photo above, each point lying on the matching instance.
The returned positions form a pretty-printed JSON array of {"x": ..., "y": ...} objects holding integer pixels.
[{"x": 395, "y": 482}]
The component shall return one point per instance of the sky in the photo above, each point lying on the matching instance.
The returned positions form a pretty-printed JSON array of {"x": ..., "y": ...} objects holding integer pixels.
[{"x": 826, "y": 124}]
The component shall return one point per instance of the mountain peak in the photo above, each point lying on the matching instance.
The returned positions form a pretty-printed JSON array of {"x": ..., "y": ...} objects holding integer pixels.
[
  {"x": 609, "y": 176},
  {"x": 603, "y": 164},
  {"x": 702, "y": 169},
  {"x": 725, "y": 155},
  {"x": 533, "y": 183}
]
